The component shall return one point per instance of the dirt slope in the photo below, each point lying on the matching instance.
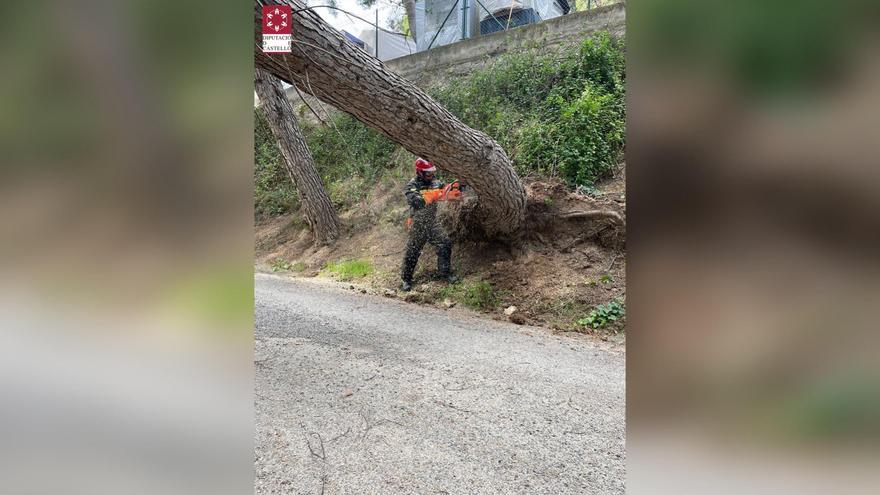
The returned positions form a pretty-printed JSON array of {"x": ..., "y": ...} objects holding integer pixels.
[{"x": 554, "y": 274}]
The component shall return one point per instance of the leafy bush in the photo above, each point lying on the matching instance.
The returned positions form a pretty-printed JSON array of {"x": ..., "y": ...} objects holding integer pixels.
[
  {"x": 555, "y": 115},
  {"x": 273, "y": 192},
  {"x": 348, "y": 148},
  {"x": 348, "y": 155},
  {"x": 350, "y": 269},
  {"x": 604, "y": 314},
  {"x": 582, "y": 144}
]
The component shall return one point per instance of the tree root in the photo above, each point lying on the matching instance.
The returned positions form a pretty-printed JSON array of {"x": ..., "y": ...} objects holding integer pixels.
[{"x": 590, "y": 214}]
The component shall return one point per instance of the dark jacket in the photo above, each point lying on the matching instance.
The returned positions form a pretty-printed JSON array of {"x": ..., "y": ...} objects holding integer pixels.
[{"x": 418, "y": 210}]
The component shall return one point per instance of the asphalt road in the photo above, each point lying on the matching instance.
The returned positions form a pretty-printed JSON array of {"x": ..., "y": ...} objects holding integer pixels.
[{"x": 362, "y": 394}]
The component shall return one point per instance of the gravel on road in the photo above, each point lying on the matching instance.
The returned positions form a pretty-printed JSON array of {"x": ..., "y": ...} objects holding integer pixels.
[{"x": 360, "y": 394}]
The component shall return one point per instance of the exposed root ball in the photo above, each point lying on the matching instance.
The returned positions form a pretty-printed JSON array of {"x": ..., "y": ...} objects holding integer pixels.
[
  {"x": 553, "y": 215},
  {"x": 459, "y": 219},
  {"x": 556, "y": 215}
]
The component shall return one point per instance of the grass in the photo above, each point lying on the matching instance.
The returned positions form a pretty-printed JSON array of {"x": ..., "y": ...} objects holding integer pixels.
[
  {"x": 280, "y": 264},
  {"x": 349, "y": 269},
  {"x": 475, "y": 294},
  {"x": 562, "y": 313}
]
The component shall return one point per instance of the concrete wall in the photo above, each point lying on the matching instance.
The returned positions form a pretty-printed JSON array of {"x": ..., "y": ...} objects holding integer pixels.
[{"x": 457, "y": 59}]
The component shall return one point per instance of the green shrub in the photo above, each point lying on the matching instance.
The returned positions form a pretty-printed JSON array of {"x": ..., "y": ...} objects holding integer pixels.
[
  {"x": 350, "y": 269},
  {"x": 275, "y": 202},
  {"x": 348, "y": 148},
  {"x": 555, "y": 115},
  {"x": 476, "y": 295},
  {"x": 348, "y": 155},
  {"x": 480, "y": 295},
  {"x": 604, "y": 314},
  {"x": 581, "y": 144},
  {"x": 345, "y": 193},
  {"x": 274, "y": 194}
]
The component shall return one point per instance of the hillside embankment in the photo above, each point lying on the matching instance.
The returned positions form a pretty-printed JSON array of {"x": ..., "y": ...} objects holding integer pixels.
[
  {"x": 560, "y": 116},
  {"x": 555, "y": 274}
]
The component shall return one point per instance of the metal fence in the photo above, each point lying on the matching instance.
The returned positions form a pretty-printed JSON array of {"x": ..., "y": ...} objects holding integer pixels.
[
  {"x": 440, "y": 22},
  {"x": 462, "y": 19}
]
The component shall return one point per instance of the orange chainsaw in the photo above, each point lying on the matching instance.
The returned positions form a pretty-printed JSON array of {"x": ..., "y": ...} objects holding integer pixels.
[{"x": 450, "y": 192}]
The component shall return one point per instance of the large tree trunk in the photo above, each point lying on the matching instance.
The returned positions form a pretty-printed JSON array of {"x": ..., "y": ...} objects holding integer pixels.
[
  {"x": 298, "y": 160},
  {"x": 410, "y": 7},
  {"x": 343, "y": 75}
]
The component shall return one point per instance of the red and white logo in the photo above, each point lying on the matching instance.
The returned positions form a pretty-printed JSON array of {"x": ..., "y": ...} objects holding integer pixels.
[{"x": 277, "y": 28}]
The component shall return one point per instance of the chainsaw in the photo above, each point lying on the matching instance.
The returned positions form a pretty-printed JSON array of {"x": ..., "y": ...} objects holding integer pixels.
[{"x": 449, "y": 192}]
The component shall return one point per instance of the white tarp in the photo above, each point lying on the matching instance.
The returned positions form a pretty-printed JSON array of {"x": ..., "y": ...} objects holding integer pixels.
[
  {"x": 431, "y": 14},
  {"x": 501, "y": 8},
  {"x": 390, "y": 45}
]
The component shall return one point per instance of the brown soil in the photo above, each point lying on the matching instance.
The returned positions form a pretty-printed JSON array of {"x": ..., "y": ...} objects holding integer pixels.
[{"x": 555, "y": 273}]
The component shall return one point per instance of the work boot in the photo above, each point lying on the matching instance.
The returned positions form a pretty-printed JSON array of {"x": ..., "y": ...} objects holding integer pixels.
[
  {"x": 449, "y": 278},
  {"x": 406, "y": 287}
]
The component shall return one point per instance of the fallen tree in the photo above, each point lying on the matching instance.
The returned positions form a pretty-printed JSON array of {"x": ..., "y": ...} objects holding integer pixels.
[{"x": 324, "y": 64}]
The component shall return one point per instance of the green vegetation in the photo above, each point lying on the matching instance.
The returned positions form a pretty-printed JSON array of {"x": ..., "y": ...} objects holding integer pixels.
[
  {"x": 841, "y": 406},
  {"x": 604, "y": 314},
  {"x": 556, "y": 115},
  {"x": 778, "y": 52},
  {"x": 562, "y": 312},
  {"x": 220, "y": 296},
  {"x": 350, "y": 157},
  {"x": 350, "y": 269},
  {"x": 280, "y": 264},
  {"x": 477, "y": 294},
  {"x": 274, "y": 194}
]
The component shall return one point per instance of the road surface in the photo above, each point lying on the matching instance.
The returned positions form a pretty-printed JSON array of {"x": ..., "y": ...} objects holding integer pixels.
[{"x": 360, "y": 394}]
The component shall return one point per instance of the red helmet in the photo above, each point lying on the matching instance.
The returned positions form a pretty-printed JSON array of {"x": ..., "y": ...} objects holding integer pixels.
[
  {"x": 423, "y": 165},
  {"x": 425, "y": 170}
]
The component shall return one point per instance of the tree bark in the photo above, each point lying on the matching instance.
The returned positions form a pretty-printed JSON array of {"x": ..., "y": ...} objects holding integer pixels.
[
  {"x": 339, "y": 73},
  {"x": 298, "y": 160},
  {"x": 410, "y": 7}
]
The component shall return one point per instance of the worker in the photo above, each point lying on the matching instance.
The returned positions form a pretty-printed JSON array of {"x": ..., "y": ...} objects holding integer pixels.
[{"x": 422, "y": 194}]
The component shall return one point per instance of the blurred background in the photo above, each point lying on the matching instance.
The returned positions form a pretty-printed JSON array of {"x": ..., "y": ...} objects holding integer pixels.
[
  {"x": 753, "y": 238},
  {"x": 126, "y": 261}
]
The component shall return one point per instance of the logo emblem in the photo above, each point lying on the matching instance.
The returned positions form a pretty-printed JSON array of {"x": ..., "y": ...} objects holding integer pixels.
[{"x": 277, "y": 28}]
